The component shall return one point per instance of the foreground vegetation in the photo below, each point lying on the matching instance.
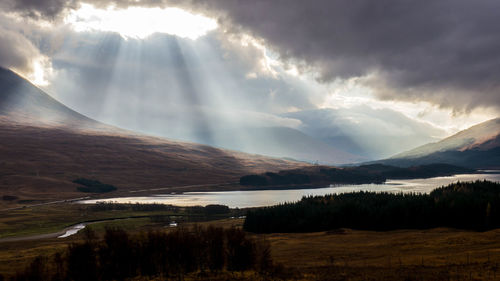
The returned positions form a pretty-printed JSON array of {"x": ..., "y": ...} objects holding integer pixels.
[
  {"x": 54, "y": 218},
  {"x": 336, "y": 254},
  {"x": 155, "y": 254},
  {"x": 466, "y": 205},
  {"x": 436, "y": 254},
  {"x": 340, "y": 254}
]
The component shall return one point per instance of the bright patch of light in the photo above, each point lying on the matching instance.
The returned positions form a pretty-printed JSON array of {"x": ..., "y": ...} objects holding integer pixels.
[
  {"x": 41, "y": 69},
  {"x": 293, "y": 71},
  {"x": 265, "y": 62},
  {"x": 140, "y": 23},
  {"x": 348, "y": 94}
]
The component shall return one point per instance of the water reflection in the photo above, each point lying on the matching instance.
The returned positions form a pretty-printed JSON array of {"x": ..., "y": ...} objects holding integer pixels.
[
  {"x": 259, "y": 198},
  {"x": 73, "y": 230}
]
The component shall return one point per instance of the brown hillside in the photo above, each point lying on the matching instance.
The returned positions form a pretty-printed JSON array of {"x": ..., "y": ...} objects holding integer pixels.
[{"x": 45, "y": 145}]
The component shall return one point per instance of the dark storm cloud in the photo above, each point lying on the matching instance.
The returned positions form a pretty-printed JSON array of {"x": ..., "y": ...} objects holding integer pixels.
[
  {"x": 47, "y": 9},
  {"x": 443, "y": 51},
  {"x": 11, "y": 56},
  {"x": 17, "y": 51}
]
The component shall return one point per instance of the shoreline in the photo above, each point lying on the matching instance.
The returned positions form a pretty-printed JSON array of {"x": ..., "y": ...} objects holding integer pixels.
[{"x": 219, "y": 187}]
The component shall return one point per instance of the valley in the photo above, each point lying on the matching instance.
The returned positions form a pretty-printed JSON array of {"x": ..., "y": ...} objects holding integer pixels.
[{"x": 223, "y": 149}]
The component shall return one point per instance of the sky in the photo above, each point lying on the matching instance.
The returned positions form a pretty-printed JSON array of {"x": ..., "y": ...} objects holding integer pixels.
[{"x": 372, "y": 78}]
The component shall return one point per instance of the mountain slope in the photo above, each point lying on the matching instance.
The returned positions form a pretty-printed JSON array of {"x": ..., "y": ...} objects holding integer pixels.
[
  {"x": 476, "y": 147},
  {"x": 365, "y": 131},
  {"x": 476, "y": 137},
  {"x": 277, "y": 142},
  {"x": 21, "y": 101},
  {"x": 44, "y": 145}
]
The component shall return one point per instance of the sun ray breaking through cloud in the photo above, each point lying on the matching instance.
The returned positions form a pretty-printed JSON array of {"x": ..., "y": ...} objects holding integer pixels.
[
  {"x": 167, "y": 71},
  {"x": 137, "y": 22}
]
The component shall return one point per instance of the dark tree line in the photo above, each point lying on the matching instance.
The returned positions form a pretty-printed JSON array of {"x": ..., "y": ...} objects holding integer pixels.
[
  {"x": 375, "y": 173},
  {"x": 93, "y": 186},
  {"x": 420, "y": 171},
  {"x": 211, "y": 209},
  {"x": 164, "y": 255},
  {"x": 464, "y": 205},
  {"x": 312, "y": 176},
  {"x": 9, "y": 197},
  {"x": 110, "y": 206}
]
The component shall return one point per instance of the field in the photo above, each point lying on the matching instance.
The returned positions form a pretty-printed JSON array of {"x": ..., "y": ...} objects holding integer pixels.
[
  {"x": 343, "y": 254},
  {"x": 26, "y": 233},
  {"x": 54, "y": 218},
  {"x": 435, "y": 254}
]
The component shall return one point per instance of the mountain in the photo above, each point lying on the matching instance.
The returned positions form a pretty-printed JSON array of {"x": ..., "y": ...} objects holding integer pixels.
[
  {"x": 368, "y": 132},
  {"x": 21, "y": 101},
  {"x": 242, "y": 131},
  {"x": 45, "y": 145},
  {"x": 475, "y": 147},
  {"x": 280, "y": 142},
  {"x": 26, "y": 103}
]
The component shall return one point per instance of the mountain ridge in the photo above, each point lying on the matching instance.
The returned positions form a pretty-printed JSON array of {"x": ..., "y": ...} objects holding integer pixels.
[
  {"x": 470, "y": 138},
  {"x": 475, "y": 147},
  {"x": 281, "y": 142}
]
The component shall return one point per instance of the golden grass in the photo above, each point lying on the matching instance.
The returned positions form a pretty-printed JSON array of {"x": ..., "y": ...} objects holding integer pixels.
[
  {"x": 434, "y": 254},
  {"x": 432, "y": 247},
  {"x": 15, "y": 255}
]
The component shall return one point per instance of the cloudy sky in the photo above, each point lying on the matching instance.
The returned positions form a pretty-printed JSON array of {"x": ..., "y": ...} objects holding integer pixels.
[{"x": 398, "y": 72}]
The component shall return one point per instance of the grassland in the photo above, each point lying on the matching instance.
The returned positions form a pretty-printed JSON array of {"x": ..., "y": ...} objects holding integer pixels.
[
  {"x": 338, "y": 254},
  {"x": 343, "y": 254},
  {"x": 14, "y": 255},
  {"x": 435, "y": 254},
  {"x": 54, "y": 218}
]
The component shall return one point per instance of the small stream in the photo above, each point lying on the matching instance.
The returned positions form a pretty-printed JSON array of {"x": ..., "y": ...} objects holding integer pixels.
[{"x": 72, "y": 230}]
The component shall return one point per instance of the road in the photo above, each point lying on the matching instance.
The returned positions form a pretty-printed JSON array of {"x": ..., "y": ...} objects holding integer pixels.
[{"x": 47, "y": 203}]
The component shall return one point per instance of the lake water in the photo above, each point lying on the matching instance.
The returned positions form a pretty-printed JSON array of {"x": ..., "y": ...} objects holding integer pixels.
[{"x": 259, "y": 198}]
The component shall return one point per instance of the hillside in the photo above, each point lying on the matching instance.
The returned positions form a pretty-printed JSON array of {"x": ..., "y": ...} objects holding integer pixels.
[
  {"x": 483, "y": 136},
  {"x": 475, "y": 147},
  {"x": 44, "y": 146},
  {"x": 22, "y": 102},
  {"x": 280, "y": 142}
]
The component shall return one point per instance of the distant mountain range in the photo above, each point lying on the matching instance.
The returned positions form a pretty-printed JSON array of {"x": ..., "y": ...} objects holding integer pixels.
[
  {"x": 475, "y": 147},
  {"x": 365, "y": 131},
  {"x": 282, "y": 142},
  {"x": 323, "y": 136}
]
